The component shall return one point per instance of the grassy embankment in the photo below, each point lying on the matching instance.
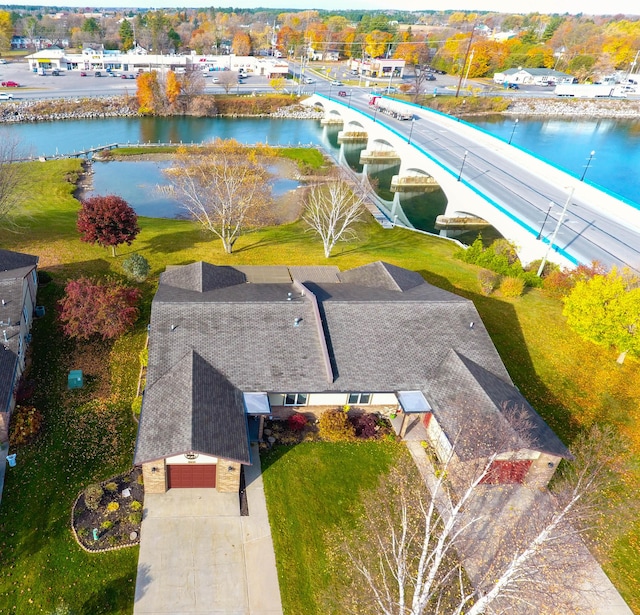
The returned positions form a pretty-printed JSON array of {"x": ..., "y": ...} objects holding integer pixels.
[{"x": 89, "y": 436}]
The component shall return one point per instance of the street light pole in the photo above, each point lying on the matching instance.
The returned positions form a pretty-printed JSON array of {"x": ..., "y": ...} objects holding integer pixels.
[
  {"x": 551, "y": 204},
  {"x": 555, "y": 232},
  {"x": 413, "y": 121},
  {"x": 591, "y": 155},
  {"x": 464, "y": 158},
  {"x": 515, "y": 125}
]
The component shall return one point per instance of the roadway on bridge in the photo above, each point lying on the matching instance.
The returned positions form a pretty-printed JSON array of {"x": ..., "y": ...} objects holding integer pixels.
[{"x": 587, "y": 233}]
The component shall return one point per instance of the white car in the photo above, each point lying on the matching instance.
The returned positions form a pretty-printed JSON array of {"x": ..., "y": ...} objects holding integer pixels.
[
  {"x": 336, "y": 82},
  {"x": 5, "y": 96},
  {"x": 308, "y": 80},
  {"x": 3, "y": 61},
  {"x": 215, "y": 79}
]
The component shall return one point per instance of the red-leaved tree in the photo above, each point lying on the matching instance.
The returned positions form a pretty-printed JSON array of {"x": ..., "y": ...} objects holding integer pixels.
[
  {"x": 107, "y": 221},
  {"x": 90, "y": 308}
]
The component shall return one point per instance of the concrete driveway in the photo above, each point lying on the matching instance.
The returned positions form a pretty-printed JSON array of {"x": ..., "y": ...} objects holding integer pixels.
[{"x": 199, "y": 556}]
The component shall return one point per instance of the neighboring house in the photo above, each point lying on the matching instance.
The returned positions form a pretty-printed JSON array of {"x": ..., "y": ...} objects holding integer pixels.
[
  {"x": 533, "y": 76},
  {"x": 378, "y": 67},
  {"x": 18, "y": 287},
  {"x": 231, "y": 345}
]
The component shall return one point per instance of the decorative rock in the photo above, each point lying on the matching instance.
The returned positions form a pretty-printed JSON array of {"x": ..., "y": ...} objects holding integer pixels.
[
  {"x": 267, "y": 432},
  {"x": 133, "y": 536},
  {"x": 271, "y": 440}
]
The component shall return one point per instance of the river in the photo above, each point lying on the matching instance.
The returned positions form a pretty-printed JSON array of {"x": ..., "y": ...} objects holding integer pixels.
[{"x": 567, "y": 143}]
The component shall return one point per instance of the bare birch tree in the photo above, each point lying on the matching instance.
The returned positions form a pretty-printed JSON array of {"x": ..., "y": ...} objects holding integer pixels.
[
  {"x": 227, "y": 80},
  {"x": 485, "y": 549},
  {"x": 225, "y": 189},
  {"x": 331, "y": 211}
]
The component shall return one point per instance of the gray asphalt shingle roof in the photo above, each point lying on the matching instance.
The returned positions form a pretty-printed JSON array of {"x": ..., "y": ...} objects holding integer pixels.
[
  {"x": 484, "y": 414},
  {"x": 189, "y": 422},
  {"x": 14, "y": 267},
  {"x": 384, "y": 328}
]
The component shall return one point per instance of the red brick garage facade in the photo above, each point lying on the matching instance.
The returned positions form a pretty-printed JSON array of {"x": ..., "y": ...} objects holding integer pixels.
[{"x": 191, "y": 476}]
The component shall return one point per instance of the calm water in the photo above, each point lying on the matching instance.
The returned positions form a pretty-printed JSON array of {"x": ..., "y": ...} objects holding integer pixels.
[
  {"x": 564, "y": 142},
  {"x": 141, "y": 184},
  {"x": 569, "y": 142}
]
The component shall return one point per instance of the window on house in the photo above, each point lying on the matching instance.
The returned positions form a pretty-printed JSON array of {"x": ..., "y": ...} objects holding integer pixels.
[
  {"x": 359, "y": 398},
  {"x": 295, "y": 399}
]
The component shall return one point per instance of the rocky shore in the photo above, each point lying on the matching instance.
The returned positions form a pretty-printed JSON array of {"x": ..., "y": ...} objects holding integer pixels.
[
  {"x": 67, "y": 109},
  {"x": 123, "y": 106},
  {"x": 603, "y": 107}
]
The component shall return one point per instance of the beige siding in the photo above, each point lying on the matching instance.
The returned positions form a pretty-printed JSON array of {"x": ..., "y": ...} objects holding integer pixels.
[
  {"x": 200, "y": 459},
  {"x": 384, "y": 399}
]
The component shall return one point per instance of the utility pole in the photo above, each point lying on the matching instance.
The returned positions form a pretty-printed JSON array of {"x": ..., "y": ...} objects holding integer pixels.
[{"x": 466, "y": 57}]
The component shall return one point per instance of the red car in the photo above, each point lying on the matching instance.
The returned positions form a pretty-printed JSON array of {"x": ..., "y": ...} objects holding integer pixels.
[
  {"x": 10, "y": 84},
  {"x": 83, "y": 74}
]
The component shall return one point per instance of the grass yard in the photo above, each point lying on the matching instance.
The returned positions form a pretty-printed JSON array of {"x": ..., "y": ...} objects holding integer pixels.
[
  {"x": 313, "y": 490},
  {"x": 571, "y": 383}
]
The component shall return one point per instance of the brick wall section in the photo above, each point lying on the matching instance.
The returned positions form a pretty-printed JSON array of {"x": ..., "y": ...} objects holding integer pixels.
[
  {"x": 4, "y": 426},
  {"x": 228, "y": 476},
  {"x": 155, "y": 482},
  {"x": 540, "y": 472}
]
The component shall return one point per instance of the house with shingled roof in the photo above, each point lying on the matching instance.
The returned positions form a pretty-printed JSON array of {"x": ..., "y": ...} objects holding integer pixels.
[
  {"x": 18, "y": 288},
  {"x": 229, "y": 346}
]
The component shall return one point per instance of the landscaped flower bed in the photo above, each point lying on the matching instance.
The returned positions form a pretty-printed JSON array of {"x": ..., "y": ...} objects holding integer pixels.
[
  {"x": 337, "y": 425},
  {"x": 108, "y": 515}
]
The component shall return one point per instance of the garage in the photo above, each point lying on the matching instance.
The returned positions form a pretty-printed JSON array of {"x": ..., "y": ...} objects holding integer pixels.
[
  {"x": 191, "y": 476},
  {"x": 507, "y": 472}
]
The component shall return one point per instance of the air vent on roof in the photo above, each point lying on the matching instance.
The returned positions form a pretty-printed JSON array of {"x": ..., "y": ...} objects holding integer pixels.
[
  {"x": 296, "y": 322},
  {"x": 471, "y": 325},
  {"x": 289, "y": 296}
]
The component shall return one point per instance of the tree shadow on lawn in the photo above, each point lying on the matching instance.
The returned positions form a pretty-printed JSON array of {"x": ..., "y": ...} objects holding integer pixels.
[
  {"x": 170, "y": 242},
  {"x": 116, "y": 596},
  {"x": 501, "y": 321}
]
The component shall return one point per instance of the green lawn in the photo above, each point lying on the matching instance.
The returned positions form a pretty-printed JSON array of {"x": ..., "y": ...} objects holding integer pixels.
[
  {"x": 571, "y": 383},
  {"x": 313, "y": 490}
]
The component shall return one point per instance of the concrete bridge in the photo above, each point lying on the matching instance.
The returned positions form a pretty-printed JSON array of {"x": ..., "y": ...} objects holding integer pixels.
[{"x": 543, "y": 210}]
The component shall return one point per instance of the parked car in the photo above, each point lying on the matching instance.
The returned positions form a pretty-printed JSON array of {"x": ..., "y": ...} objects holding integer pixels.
[
  {"x": 3, "y": 61},
  {"x": 98, "y": 74},
  {"x": 132, "y": 76},
  {"x": 55, "y": 72},
  {"x": 10, "y": 84},
  {"x": 215, "y": 79},
  {"x": 430, "y": 77},
  {"x": 336, "y": 82},
  {"x": 123, "y": 76},
  {"x": 83, "y": 74},
  {"x": 514, "y": 86},
  {"x": 5, "y": 96},
  {"x": 308, "y": 80}
]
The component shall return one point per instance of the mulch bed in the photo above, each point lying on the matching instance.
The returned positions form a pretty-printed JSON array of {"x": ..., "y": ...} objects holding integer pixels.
[{"x": 115, "y": 528}]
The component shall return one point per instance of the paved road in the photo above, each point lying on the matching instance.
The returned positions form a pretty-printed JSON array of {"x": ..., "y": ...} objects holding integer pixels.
[{"x": 524, "y": 187}]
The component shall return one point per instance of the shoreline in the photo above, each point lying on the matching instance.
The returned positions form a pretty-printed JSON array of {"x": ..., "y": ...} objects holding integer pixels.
[{"x": 16, "y": 112}]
